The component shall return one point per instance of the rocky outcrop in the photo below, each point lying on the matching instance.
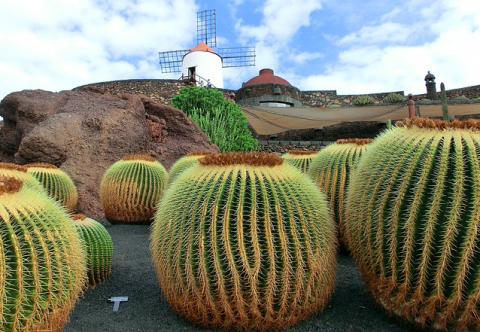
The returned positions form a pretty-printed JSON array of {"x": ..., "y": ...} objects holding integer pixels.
[{"x": 84, "y": 132}]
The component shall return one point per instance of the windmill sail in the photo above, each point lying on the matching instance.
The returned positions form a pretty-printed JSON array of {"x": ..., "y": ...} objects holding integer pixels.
[
  {"x": 171, "y": 62},
  {"x": 237, "y": 56},
  {"x": 207, "y": 27}
]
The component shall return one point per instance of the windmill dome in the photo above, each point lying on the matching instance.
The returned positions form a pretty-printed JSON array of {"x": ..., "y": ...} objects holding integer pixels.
[
  {"x": 265, "y": 76},
  {"x": 202, "y": 47}
]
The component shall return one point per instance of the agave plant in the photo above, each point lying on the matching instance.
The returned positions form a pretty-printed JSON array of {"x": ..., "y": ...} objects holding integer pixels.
[
  {"x": 243, "y": 241},
  {"x": 412, "y": 221}
]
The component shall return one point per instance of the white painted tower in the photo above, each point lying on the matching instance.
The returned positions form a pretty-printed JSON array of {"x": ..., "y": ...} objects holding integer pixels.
[{"x": 203, "y": 64}]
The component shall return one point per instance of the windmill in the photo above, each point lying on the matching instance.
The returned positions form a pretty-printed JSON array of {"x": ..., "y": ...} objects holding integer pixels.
[{"x": 202, "y": 65}]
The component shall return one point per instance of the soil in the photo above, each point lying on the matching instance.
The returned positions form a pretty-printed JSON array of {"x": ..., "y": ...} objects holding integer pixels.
[{"x": 349, "y": 309}]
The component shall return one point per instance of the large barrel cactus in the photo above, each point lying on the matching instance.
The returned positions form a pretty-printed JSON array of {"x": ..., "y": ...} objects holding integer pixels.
[
  {"x": 20, "y": 172},
  {"x": 299, "y": 159},
  {"x": 332, "y": 169},
  {"x": 56, "y": 182},
  {"x": 42, "y": 263},
  {"x": 243, "y": 241},
  {"x": 131, "y": 188},
  {"x": 185, "y": 163},
  {"x": 412, "y": 222},
  {"x": 98, "y": 248}
]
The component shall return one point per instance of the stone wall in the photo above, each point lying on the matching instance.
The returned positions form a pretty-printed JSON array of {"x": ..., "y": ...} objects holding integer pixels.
[
  {"x": 161, "y": 91},
  {"x": 471, "y": 92},
  {"x": 282, "y": 147},
  {"x": 329, "y": 98}
]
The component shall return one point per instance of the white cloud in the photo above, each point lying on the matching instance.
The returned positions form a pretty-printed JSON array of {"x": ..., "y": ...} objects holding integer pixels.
[
  {"x": 450, "y": 52},
  {"x": 56, "y": 44}
]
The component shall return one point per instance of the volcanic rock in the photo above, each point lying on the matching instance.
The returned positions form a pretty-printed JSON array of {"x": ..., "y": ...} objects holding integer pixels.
[{"x": 84, "y": 132}]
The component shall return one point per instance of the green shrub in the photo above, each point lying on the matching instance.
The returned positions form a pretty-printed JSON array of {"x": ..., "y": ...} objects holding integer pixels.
[
  {"x": 460, "y": 98},
  {"x": 221, "y": 120},
  {"x": 363, "y": 100},
  {"x": 393, "y": 98},
  {"x": 424, "y": 102}
]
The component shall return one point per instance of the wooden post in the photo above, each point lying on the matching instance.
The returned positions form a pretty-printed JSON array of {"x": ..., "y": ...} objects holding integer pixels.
[{"x": 411, "y": 106}]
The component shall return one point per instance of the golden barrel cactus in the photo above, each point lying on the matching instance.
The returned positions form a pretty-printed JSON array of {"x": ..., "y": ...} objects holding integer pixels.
[
  {"x": 131, "y": 188},
  {"x": 332, "y": 169},
  {"x": 244, "y": 241},
  {"x": 300, "y": 159},
  {"x": 412, "y": 222},
  {"x": 42, "y": 263},
  {"x": 98, "y": 248},
  {"x": 56, "y": 182},
  {"x": 185, "y": 163},
  {"x": 20, "y": 172}
]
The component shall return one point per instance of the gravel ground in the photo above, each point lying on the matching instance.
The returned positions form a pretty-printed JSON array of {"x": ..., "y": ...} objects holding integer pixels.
[{"x": 349, "y": 309}]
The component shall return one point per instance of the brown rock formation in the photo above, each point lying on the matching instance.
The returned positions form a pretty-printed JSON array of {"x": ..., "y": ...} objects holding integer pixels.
[{"x": 84, "y": 132}]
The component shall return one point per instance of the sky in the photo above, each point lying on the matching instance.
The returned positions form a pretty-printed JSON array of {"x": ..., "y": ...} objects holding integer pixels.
[{"x": 351, "y": 46}]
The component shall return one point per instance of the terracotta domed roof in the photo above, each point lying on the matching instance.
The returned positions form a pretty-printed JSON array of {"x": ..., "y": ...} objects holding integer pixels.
[{"x": 265, "y": 76}]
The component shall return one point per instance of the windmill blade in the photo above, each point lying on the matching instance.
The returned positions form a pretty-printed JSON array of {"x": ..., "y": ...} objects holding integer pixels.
[
  {"x": 237, "y": 56},
  {"x": 171, "y": 62},
  {"x": 207, "y": 27}
]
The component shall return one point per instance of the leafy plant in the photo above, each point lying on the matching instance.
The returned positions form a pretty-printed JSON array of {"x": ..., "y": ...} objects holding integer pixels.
[
  {"x": 460, "y": 98},
  {"x": 393, "y": 98},
  {"x": 221, "y": 120},
  {"x": 363, "y": 101}
]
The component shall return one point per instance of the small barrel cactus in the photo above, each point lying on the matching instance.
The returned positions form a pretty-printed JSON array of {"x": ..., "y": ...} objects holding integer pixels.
[
  {"x": 299, "y": 159},
  {"x": 243, "y": 241},
  {"x": 20, "y": 172},
  {"x": 412, "y": 222},
  {"x": 332, "y": 170},
  {"x": 56, "y": 182},
  {"x": 185, "y": 163},
  {"x": 42, "y": 262},
  {"x": 131, "y": 188},
  {"x": 98, "y": 248}
]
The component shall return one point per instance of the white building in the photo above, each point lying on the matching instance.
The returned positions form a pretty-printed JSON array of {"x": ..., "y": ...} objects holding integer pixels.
[{"x": 203, "y": 64}]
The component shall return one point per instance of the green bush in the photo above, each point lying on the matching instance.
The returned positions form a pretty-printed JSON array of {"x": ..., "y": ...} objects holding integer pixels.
[
  {"x": 393, "y": 98},
  {"x": 221, "y": 120},
  {"x": 424, "y": 101},
  {"x": 460, "y": 98},
  {"x": 363, "y": 100}
]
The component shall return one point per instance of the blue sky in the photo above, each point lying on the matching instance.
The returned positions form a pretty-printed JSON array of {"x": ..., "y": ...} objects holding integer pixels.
[{"x": 350, "y": 46}]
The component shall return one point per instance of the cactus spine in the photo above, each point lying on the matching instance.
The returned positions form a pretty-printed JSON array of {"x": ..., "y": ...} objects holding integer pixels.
[
  {"x": 42, "y": 264},
  {"x": 332, "y": 170},
  {"x": 299, "y": 159},
  {"x": 131, "y": 188},
  {"x": 242, "y": 241},
  {"x": 184, "y": 163},
  {"x": 20, "y": 173},
  {"x": 56, "y": 182},
  {"x": 413, "y": 214},
  {"x": 98, "y": 248}
]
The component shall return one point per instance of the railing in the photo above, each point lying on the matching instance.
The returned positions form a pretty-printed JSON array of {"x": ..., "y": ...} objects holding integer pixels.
[{"x": 197, "y": 80}]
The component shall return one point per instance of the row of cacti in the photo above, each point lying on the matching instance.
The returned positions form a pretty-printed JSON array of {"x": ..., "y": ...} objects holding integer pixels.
[
  {"x": 45, "y": 256},
  {"x": 245, "y": 241}
]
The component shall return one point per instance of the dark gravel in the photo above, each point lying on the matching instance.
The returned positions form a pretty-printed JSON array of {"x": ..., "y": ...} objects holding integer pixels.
[{"x": 349, "y": 309}]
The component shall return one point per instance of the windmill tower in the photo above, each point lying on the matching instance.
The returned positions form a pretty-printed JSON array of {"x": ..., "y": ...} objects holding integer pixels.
[{"x": 202, "y": 65}]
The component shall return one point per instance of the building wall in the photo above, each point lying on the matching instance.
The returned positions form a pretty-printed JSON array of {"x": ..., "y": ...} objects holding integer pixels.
[
  {"x": 164, "y": 90},
  {"x": 255, "y": 94},
  {"x": 207, "y": 65}
]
